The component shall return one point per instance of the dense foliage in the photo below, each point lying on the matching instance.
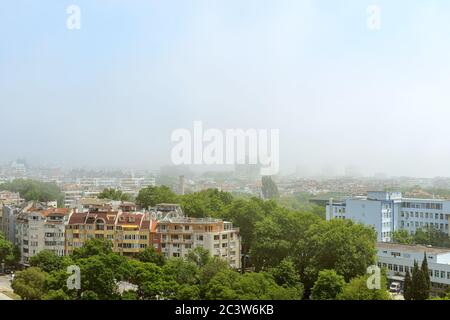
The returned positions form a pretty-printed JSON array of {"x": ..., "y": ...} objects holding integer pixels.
[
  {"x": 113, "y": 194},
  {"x": 9, "y": 254},
  {"x": 34, "y": 190},
  {"x": 429, "y": 236}
]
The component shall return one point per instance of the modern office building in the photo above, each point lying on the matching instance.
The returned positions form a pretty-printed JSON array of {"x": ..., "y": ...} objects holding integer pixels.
[
  {"x": 397, "y": 259},
  {"x": 389, "y": 211}
]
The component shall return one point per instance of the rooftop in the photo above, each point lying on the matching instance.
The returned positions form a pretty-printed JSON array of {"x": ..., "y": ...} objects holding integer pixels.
[{"x": 412, "y": 248}]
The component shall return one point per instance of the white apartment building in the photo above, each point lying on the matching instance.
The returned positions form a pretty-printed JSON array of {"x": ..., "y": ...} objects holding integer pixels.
[
  {"x": 40, "y": 228},
  {"x": 179, "y": 235},
  {"x": 389, "y": 211},
  {"x": 397, "y": 259}
]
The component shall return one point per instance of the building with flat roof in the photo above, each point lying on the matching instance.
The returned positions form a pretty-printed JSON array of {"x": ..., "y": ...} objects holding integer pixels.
[
  {"x": 179, "y": 235},
  {"x": 389, "y": 211},
  {"x": 398, "y": 258}
]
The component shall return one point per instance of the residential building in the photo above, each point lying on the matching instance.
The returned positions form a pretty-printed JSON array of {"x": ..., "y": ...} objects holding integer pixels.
[
  {"x": 40, "y": 228},
  {"x": 179, "y": 235},
  {"x": 128, "y": 232}
]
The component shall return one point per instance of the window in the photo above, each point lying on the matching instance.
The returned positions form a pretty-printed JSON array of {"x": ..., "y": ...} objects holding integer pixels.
[
  {"x": 443, "y": 274},
  {"x": 216, "y": 237},
  {"x": 436, "y": 273}
]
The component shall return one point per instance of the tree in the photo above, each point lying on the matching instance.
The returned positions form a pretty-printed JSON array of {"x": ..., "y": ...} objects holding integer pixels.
[
  {"x": 230, "y": 285},
  {"x": 46, "y": 260},
  {"x": 34, "y": 190},
  {"x": 407, "y": 285},
  {"x": 341, "y": 245},
  {"x": 285, "y": 273},
  {"x": 113, "y": 194},
  {"x": 328, "y": 285},
  {"x": 29, "y": 284},
  {"x": 269, "y": 188},
  {"x": 98, "y": 277},
  {"x": 56, "y": 295},
  {"x": 419, "y": 285},
  {"x": 402, "y": 236},
  {"x": 200, "y": 256},
  {"x": 9, "y": 254},
  {"x": 93, "y": 247},
  {"x": 206, "y": 203},
  {"x": 151, "y": 196},
  {"x": 245, "y": 214},
  {"x": 426, "y": 273},
  {"x": 357, "y": 289},
  {"x": 151, "y": 255}
]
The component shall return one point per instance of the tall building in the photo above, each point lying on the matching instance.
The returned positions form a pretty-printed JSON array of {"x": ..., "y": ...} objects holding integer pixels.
[
  {"x": 389, "y": 211},
  {"x": 40, "y": 228}
]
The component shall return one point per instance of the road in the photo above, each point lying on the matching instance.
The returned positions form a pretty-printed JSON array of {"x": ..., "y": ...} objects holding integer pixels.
[{"x": 5, "y": 285}]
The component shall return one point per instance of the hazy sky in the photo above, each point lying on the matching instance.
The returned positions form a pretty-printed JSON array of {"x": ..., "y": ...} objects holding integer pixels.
[{"x": 111, "y": 93}]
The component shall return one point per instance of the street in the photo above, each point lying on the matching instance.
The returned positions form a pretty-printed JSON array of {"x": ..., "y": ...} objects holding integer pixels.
[{"x": 5, "y": 285}]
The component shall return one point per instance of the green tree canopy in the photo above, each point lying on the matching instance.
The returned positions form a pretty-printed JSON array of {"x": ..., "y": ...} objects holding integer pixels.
[
  {"x": 151, "y": 196},
  {"x": 113, "y": 194},
  {"x": 328, "y": 286},
  {"x": 29, "y": 284},
  {"x": 34, "y": 190}
]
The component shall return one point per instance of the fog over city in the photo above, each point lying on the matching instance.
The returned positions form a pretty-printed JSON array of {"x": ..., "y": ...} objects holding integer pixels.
[{"x": 345, "y": 97}]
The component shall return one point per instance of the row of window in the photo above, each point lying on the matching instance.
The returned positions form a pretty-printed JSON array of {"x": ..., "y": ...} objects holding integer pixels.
[
  {"x": 400, "y": 268},
  {"x": 417, "y": 224},
  {"x": 427, "y": 205},
  {"x": 422, "y": 215}
]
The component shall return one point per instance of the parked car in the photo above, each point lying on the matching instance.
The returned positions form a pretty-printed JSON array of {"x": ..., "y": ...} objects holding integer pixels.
[{"x": 395, "y": 287}]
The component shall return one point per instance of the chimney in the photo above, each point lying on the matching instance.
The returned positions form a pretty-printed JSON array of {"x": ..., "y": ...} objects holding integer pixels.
[{"x": 182, "y": 185}]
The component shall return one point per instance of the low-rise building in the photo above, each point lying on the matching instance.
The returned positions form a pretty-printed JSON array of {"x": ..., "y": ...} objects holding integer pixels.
[
  {"x": 398, "y": 258},
  {"x": 389, "y": 211}
]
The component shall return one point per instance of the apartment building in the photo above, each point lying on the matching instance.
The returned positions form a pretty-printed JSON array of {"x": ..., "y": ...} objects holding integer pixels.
[
  {"x": 389, "y": 211},
  {"x": 397, "y": 259},
  {"x": 129, "y": 232},
  {"x": 179, "y": 235},
  {"x": 40, "y": 228}
]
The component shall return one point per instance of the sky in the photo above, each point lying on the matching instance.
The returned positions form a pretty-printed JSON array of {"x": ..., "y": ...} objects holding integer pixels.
[{"x": 342, "y": 94}]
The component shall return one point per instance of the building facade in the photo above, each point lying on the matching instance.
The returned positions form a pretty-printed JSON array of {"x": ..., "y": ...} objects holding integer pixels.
[
  {"x": 179, "y": 235},
  {"x": 40, "y": 228},
  {"x": 128, "y": 232},
  {"x": 397, "y": 259},
  {"x": 389, "y": 211}
]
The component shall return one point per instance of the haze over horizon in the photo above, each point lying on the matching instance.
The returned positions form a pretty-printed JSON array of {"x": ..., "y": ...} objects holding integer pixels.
[{"x": 342, "y": 95}]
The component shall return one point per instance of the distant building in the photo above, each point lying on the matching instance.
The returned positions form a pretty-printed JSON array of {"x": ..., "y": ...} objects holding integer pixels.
[{"x": 389, "y": 211}]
